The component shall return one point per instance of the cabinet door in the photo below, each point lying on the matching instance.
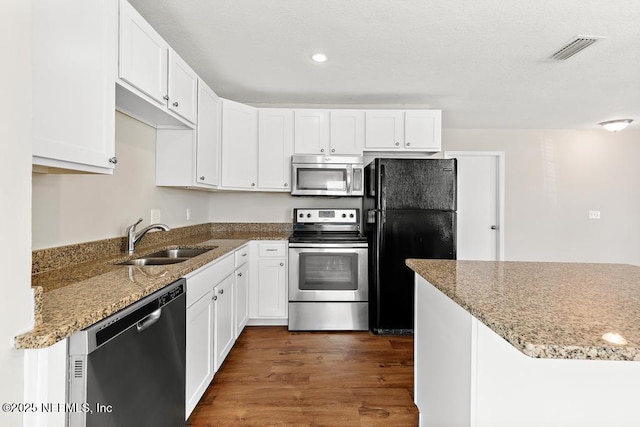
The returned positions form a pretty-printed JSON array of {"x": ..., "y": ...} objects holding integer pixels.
[
  {"x": 275, "y": 144},
  {"x": 241, "y": 290},
  {"x": 422, "y": 130},
  {"x": 239, "y": 145},
  {"x": 311, "y": 135},
  {"x": 143, "y": 54},
  {"x": 384, "y": 129},
  {"x": 347, "y": 132},
  {"x": 183, "y": 88},
  {"x": 199, "y": 351},
  {"x": 272, "y": 298},
  {"x": 74, "y": 68},
  {"x": 224, "y": 334},
  {"x": 208, "y": 137}
]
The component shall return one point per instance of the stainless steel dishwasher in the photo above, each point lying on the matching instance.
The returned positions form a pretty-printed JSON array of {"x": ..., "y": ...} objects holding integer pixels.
[{"x": 129, "y": 369}]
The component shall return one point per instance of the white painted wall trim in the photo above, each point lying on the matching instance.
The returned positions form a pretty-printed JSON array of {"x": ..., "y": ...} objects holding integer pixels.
[{"x": 500, "y": 156}]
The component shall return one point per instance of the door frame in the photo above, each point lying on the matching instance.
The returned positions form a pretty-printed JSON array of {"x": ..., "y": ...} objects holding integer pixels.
[{"x": 500, "y": 157}]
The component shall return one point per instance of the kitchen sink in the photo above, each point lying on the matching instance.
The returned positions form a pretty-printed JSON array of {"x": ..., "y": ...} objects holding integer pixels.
[
  {"x": 167, "y": 256},
  {"x": 179, "y": 253}
]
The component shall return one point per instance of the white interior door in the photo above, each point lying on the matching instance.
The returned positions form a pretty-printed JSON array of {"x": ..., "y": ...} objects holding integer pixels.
[{"x": 480, "y": 230}]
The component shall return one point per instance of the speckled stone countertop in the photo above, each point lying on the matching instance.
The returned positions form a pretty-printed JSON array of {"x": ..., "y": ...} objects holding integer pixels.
[
  {"x": 547, "y": 310},
  {"x": 75, "y": 290}
]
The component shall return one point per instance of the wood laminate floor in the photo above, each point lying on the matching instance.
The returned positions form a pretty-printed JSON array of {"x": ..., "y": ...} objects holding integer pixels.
[{"x": 274, "y": 377}]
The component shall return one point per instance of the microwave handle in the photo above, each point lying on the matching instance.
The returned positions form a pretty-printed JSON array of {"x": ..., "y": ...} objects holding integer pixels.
[{"x": 349, "y": 173}]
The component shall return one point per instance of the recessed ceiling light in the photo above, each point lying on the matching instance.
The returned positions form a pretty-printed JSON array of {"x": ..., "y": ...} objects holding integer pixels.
[
  {"x": 616, "y": 125},
  {"x": 319, "y": 57}
]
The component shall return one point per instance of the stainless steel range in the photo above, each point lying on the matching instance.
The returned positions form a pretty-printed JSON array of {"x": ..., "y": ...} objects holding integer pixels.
[{"x": 328, "y": 271}]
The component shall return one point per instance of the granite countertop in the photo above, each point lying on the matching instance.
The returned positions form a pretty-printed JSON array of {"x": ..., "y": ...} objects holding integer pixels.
[
  {"x": 547, "y": 310},
  {"x": 75, "y": 296}
]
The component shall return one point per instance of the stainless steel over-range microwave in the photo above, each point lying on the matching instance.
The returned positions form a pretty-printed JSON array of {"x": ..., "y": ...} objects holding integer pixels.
[{"x": 327, "y": 175}]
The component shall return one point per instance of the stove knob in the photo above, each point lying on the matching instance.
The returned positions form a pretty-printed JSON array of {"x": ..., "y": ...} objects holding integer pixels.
[
  {"x": 350, "y": 215},
  {"x": 308, "y": 215},
  {"x": 301, "y": 215},
  {"x": 344, "y": 215}
]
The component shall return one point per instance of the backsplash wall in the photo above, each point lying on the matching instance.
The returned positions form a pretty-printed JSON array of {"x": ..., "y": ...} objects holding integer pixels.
[{"x": 83, "y": 207}]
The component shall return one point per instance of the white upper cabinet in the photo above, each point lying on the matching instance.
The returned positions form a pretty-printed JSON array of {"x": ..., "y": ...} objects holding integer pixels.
[
  {"x": 239, "y": 145},
  {"x": 311, "y": 132},
  {"x": 185, "y": 158},
  {"x": 346, "y": 132},
  {"x": 422, "y": 130},
  {"x": 418, "y": 130},
  {"x": 326, "y": 132},
  {"x": 74, "y": 69},
  {"x": 208, "y": 136},
  {"x": 143, "y": 55},
  {"x": 153, "y": 75},
  {"x": 183, "y": 88},
  {"x": 275, "y": 146}
]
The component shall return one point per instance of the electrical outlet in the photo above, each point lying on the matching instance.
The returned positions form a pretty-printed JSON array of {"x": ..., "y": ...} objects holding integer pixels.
[
  {"x": 188, "y": 214},
  {"x": 594, "y": 214},
  {"x": 155, "y": 216}
]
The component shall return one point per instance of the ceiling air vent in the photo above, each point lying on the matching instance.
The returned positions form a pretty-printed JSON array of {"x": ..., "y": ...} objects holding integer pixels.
[{"x": 577, "y": 44}]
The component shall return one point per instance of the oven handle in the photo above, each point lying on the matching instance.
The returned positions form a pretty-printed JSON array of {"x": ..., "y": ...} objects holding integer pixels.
[{"x": 329, "y": 245}]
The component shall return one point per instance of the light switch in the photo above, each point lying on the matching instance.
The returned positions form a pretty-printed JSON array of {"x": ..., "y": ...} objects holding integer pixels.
[
  {"x": 155, "y": 216},
  {"x": 594, "y": 214}
]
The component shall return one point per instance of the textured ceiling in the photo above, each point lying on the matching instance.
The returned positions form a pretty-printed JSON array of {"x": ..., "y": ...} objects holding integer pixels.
[{"x": 483, "y": 62}]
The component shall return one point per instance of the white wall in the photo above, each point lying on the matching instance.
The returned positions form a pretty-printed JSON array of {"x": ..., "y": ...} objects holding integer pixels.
[
  {"x": 15, "y": 198},
  {"x": 79, "y": 208},
  {"x": 553, "y": 178},
  {"x": 268, "y": 207}
]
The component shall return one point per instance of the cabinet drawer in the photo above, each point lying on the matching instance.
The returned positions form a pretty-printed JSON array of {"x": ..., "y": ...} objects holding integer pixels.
[
  {"x": 273, "y": 249},
  {"x": 202, "y": 280},
  {"x": 242, "y": 255}
]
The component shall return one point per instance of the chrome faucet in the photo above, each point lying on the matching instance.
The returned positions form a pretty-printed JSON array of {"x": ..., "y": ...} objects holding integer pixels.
[{"x": 133, "y": 238}]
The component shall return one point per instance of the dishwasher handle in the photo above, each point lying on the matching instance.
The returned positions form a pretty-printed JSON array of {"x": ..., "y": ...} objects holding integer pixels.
[{"x": 148, "y": 321}]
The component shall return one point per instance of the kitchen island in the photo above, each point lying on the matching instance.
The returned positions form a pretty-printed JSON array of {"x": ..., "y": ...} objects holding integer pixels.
[{"x": 525, "y": 343}]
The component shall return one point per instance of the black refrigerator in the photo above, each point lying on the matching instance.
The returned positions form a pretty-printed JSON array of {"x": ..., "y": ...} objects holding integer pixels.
[{"x": 410, "y": 207}]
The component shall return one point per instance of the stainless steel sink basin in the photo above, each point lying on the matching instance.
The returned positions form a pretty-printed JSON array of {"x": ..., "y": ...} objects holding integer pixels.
[
  {"x": 178, "y": 253},
  {"x": 167, "y": 256}
]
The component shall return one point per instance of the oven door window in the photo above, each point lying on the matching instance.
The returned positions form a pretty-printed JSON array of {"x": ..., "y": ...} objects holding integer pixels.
[
  {"x": 328, "y": 272},
  {"x": 322, "y": 179}
]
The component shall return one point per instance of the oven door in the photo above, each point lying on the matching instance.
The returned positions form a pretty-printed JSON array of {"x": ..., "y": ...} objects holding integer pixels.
[{"x": 321, "y": 272}]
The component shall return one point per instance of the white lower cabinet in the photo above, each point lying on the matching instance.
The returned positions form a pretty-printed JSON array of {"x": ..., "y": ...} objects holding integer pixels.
[
  {"x": 268, "y": 296},
  {"x": 199, "y": 367},
  {"x": 241, "y": 291},
  {"x": 205, "y": 322},
  {"x": 224, "y": 321}
]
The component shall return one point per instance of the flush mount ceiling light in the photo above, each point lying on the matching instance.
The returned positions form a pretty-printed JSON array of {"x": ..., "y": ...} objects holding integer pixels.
[
  {"x": 616, "y": 125},
  {"x": 319, "y": 57}
]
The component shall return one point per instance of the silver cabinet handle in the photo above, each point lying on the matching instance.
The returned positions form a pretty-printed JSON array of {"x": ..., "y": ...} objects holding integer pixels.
[
  {"x": 239, "y": 274},
  {"x": 253, "y": 184},
  {"x": 408, "y": 144},
  {"x": 166, "y": 97},
  {"x": 202, "y": 178},
  {"x": 215, "y": 297},
  {"x": 175, "y": 104},
  {"x": 113, "y": 160},
  {"x": 494, "y": 227},
  {"x": 282, "y": 264},
  {"x": 333, "y": 150},
  {"x": 244, "y": 254},
  {"x": 322, "y": 150},
  {"x": 286, "y": 185},
  {"x": 397, "y": 144},
  {"x": 221, "y": 291}
]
